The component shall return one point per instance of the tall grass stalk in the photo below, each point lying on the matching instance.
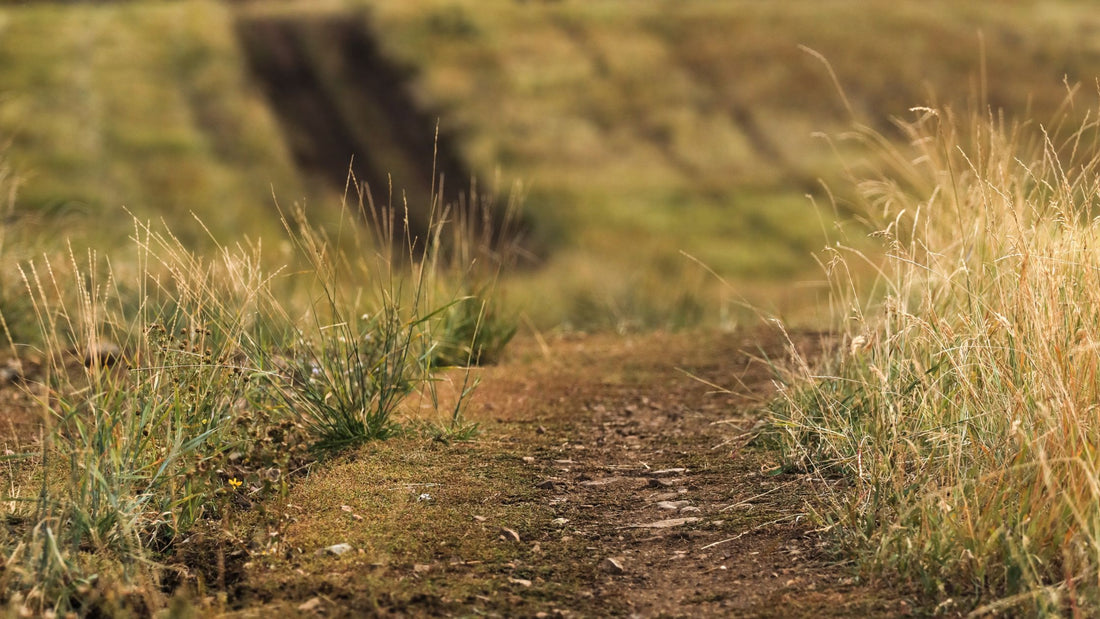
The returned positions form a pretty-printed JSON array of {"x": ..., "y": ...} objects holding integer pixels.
[{"x": 963, "y": 406}]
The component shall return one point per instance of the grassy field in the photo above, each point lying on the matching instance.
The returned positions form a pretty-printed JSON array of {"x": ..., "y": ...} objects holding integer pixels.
[
  {"x": 144, "y": 107},
  {"x": 679, "y": 164},
  {"x": 638, "y": 132},
  {"x": 646, "y": 130}
]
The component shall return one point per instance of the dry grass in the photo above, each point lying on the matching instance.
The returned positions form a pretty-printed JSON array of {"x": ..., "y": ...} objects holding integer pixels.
[{"x": 961, "y": 408}]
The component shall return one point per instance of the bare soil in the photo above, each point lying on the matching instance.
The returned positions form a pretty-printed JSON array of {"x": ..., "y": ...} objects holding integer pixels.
[{"x": 611, "y": 478}]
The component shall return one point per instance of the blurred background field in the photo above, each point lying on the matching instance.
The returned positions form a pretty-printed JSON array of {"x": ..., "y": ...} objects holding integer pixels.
[
  {"x": 636, "y": 132},
  {"x": 645, "y": 165}
]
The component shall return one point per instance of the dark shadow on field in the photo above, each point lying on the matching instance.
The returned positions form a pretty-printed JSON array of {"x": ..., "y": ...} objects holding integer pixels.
[{"x": 341, "y": 102}]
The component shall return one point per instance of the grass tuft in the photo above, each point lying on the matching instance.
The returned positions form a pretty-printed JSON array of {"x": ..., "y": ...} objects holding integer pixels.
[{"x": 960, "y": 408}]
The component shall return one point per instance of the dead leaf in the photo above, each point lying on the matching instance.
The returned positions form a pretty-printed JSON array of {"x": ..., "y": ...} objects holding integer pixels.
[{"x": 664, "y": 524}]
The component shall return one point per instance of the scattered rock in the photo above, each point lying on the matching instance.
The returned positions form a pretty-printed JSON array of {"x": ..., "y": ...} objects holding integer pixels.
[
  {"x": 546, "y": 485},
  {"x": 660, "y": 483},
  {"x": 612, "y": 566},
  {"x": 529, "y": 459},
  {"x": 520, "y": 581},
  {"x": 509, "y": 534},
  {"x": 666, "y": 472},
  {"x": 310, "y": 605},
  {"x": 691, "y": 509},
  {"x": 605, "y": 481},
  {"x": 346, "y": 508},
  {"x": 424, "y": 498},
  {"x": 335, "y": 549},
  {"x": 480, "y": 518},
  {"x": 559, "y": 521},
  {"x": 664, "y": 524},
  {"x": 673, "y": 505},
  {"x": 102, "y": 353},
  {"x": 421, "y": 568}
]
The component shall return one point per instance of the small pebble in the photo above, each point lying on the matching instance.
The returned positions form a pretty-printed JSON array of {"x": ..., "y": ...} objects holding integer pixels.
[
  {"x": 612, "y": 566},
  {"x": 335, "y": 549}
]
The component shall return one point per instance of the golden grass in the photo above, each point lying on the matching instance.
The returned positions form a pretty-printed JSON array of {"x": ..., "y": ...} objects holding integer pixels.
[{"x": 961, "y": 407}]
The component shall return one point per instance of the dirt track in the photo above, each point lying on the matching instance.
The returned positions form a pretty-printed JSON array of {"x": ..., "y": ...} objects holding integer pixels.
[{"x": 631, "y": 488}]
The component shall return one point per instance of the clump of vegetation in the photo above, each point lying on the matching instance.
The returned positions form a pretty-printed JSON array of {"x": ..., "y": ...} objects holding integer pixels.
[
  {"x": 228, "y": 378},
  {"x": 476, "y": 324},
  {"x": 961, "y": 409},
  {"x": 472, "y": 331}
]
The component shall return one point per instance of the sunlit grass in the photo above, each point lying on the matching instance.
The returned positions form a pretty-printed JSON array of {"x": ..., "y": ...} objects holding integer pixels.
[
  {"x": 147, "y": 107},
  {"x": 960, "y": 408}
]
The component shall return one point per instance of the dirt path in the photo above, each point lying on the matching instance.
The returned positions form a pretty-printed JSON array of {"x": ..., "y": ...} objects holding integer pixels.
[{"x": 607, "y": 481}]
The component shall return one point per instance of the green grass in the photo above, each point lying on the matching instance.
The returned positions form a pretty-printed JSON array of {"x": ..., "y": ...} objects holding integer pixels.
[
  {"x": 960, "y": 407},
  {"x": 639, "y": 131},
  {"x": 647, "y": 129},
  {"x": 143, "y": 106},
  {"x": 227, "y": 391}
]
